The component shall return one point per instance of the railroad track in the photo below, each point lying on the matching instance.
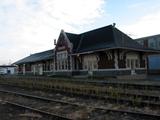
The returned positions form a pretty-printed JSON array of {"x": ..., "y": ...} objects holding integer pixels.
[
  {"x": 46, "y": 114},
  {"x": 122, "y": 92},
  {"x": 137, "y": 84},
  {"x": 129, "y": 96},
  {"x": 46, "y": 103},
  {"x": 148, "y": 116},
  {"x": 118, "y": 96}
]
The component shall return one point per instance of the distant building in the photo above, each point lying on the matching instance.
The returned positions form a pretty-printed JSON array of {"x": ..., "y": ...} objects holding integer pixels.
[
  {"x": 153, "y": 60},
  {"x": 7, "y": 69},
  {"x": 101, "y": 52},
  {"x": 150, "y": 42}
]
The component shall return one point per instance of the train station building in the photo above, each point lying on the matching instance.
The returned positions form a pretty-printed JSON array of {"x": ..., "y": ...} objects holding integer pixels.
[{"x": 100, "y": 52}]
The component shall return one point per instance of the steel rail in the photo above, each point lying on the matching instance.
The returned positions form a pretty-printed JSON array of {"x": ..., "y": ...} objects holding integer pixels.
[
  {"x": 38, "y": 97},
  {"x": 150, "y": 115},
  {"x": 121, "y": 99},
  {"x": 55, "y": 116}
]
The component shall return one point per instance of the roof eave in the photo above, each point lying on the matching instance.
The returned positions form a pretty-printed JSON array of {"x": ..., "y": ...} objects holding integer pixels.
[
  {"x": 32, "y": 61},
  {"x": 92, "y": 51}
]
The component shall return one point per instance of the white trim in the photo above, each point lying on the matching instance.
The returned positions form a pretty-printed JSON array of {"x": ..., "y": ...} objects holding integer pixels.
[
  {"x": 34, "y": 69},
  {"x": 24, "y": 69},
  {"x": 40, "y": 69},
  {"x": 47, "y": 71},
  {"x": 80, "y": 70},
  {"x": 116, "y": 60},
  {"x": 141, "y": 69},
  {"x": 84, "y": 53},
  {"x": 69, "y": 70},
  {"x": 112, "y": 69},
  {"x": 109, "y": 55},
  {"x": 120, "y": 69},
  {"x": 62, "y": 59},
  {"x": 63, "y": 71},
  {"x": 72, "y": 65}
]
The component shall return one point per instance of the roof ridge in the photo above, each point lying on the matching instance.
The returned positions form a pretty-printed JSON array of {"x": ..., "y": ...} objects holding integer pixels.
[
  {"x": 71, "y": 33},
  {"x": 126, "y": 40},
  {"x": 113, "y": 35},
  {"x": 95, "y": 29},
  {"x": 90, "y": 30},
  {"x": 42, "y": 52}
]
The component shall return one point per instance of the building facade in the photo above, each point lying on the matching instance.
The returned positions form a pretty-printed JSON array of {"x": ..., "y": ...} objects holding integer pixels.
[
  {"x": 153, "y": 60},
  {"x": 7, "y": 69},
  {"x": 101, "y": 52},
  {"x": 36, "y": 64},
  {"x": 150, "y": 42}
]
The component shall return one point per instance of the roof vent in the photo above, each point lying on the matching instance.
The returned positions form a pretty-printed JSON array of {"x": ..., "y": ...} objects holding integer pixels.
[{"x": 114, "y": 24}]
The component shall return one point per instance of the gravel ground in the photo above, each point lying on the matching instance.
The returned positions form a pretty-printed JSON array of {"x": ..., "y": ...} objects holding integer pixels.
[
  {"x": 91, "y": 102},
  {"x": 9, "y": 112}
]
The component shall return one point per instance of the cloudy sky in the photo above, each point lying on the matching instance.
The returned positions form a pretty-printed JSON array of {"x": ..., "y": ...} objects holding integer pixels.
[{"x": 29, "y": 26}]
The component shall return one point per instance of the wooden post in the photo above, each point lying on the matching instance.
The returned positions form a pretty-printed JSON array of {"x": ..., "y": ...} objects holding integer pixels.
[{"x": 116, "y": 60}]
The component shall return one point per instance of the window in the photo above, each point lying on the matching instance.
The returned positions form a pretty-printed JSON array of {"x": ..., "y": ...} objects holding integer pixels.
[
  {"x": 52, "y": 66},
  {"x": 132, "y": 63},
  {"x": 85, "y": 66},
  {"x": 66, "y": 64},
  {"x": 95, "y": 65},
  {"x": 152, "y": 45},
  {"x": 132, "y": 60},
  {"x": 128, "y": 63},
  {"x": 62, "y": 64},
  {"x": 44, "y": 67},
  {"x": 158, "y": 44},
  {"x": 90, "y": 62},
  {"x": 137, "y": 63},
  {"x": 48, "y": 66},
  {"x": 62, "y": 59}
]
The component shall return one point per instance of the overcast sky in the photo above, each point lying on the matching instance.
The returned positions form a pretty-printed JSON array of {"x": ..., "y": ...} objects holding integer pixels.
[{"x": 29, "y": 26}]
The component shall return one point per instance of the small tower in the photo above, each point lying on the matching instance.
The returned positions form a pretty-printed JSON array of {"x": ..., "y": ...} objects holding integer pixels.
[{"x": 55, "y": 42}]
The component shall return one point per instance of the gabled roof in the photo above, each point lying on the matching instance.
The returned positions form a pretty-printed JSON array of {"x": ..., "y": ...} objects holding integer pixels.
[
  {"x": 74, "y": 39},
  {"x": 123, "y": 40},
  {"x": 46, "y": 55},
  {"x": 96, "y": 39},
  {"x": 102, "y": 38}
]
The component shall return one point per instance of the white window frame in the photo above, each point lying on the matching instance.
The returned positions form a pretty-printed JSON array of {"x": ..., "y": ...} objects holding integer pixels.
[
  {"x": 90, "y": 62},
  {"x": 62, "y": 58},
  {"x": 132, "y": 58}
]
